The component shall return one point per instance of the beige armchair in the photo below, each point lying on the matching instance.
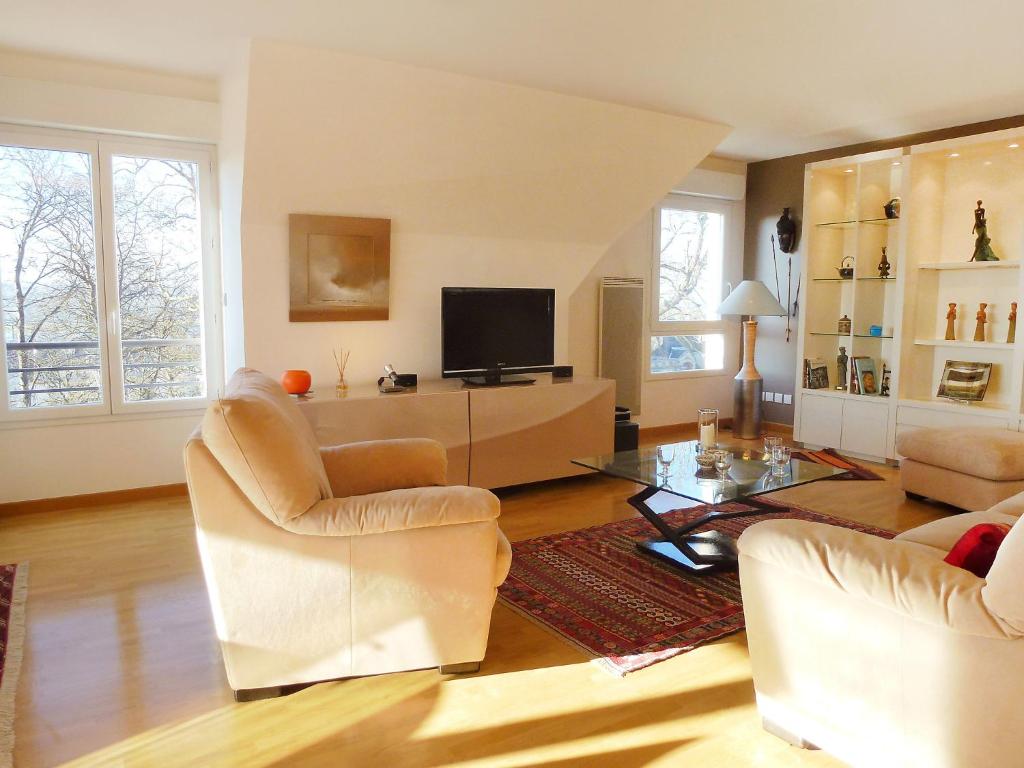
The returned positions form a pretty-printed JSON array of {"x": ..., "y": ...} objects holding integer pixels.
[
  {"x": 335, "y": 562},
  {"x": 879, "y": 652}
]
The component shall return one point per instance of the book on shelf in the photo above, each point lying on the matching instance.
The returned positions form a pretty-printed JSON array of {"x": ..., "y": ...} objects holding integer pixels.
[{"x": 815, "y": 373}]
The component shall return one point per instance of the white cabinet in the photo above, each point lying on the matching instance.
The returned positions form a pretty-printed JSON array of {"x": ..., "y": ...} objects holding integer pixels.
[
  {"x": 865, "y": 427},
  {"x": 846, "y": 422},
  {"x": 821, "y": 420}
]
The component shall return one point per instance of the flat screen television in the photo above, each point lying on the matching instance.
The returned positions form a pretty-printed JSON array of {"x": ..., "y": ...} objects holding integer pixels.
[{"x": 488, "y": 333}]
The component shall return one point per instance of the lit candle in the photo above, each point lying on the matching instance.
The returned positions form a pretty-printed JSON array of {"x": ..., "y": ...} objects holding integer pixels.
[{"x": 707, "y": 435}]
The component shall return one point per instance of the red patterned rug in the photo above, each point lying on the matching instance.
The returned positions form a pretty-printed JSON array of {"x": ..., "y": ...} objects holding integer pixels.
[
  {"x": 830, "y": 458},
  {"x": 629, "y": 611},
  {"x": 13, "y": 588}
]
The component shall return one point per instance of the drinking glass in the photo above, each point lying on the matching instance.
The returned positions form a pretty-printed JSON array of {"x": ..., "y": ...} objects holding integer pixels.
[
  {"x": 723, "y": 462},
  {"x": 770, "y": 441},
  {"x": 780, "y": 460},
  {"x": 666, "y": 455}
]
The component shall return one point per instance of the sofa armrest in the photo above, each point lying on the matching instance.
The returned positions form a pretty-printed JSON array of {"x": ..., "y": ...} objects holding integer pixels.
[
  {"x": 895, "y": 575},
  {"x": 399, "y": 510},
  {"x": 355, "y": 469}
]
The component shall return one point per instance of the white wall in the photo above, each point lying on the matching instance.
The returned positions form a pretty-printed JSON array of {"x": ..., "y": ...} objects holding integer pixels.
[
  {"x": 63, "y": 93},
  {"x": 47, "y": 461},
  {"x": 666, "y": 401},
  {"x": 485, "y": 184}
]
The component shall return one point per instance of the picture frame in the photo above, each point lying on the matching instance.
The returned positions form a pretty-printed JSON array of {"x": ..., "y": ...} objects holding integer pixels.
[
  {"x": 339, "y": 268},
  {"x": 817, "y": 373},
  {"x": 964, "y": 381},
  {"x": 867, "y": 376}
]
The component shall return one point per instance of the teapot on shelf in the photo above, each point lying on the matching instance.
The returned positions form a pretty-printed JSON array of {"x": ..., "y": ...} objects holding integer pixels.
[{"x": 845, "y": 272}]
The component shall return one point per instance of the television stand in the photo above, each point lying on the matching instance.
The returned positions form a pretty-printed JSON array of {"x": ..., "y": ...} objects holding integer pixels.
[{"x": 507, "y": 380}]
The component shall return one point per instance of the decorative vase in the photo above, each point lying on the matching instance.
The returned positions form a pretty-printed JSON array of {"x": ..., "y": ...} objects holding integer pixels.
[{"x": 296, "y": 382}]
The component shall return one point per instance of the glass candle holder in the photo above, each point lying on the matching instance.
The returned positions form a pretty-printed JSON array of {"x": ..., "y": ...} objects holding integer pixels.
[{"x": 707, "y": 428}]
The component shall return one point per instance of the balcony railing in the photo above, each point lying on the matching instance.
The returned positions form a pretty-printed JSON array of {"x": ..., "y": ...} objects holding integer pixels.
[{"x": 94, "y": 346}]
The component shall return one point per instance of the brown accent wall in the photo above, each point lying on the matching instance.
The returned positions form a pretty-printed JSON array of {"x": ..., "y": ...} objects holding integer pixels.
[{"x": 773, "y": 185}]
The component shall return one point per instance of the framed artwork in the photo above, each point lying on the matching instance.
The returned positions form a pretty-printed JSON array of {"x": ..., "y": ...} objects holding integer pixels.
[
  {"x": 867, "y": 376},
  {"x": 964, "y": 381},
  {"x": 339, "y": 268},
  {"x": 817, "y": 373}
]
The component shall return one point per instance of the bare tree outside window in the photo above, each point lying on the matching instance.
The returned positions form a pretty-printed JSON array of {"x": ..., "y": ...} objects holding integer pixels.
[
  {"x": 688, "y": 279},
  {"x": 50, "y": 278},
  {"x": 159, "y": 261}
]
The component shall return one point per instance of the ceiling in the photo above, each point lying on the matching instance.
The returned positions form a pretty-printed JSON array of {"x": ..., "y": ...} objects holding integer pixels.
[{"x": 790, "y": 76}]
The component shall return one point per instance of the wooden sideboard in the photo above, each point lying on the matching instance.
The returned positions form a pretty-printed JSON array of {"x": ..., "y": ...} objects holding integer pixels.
[{"x": 495, "y": 436}]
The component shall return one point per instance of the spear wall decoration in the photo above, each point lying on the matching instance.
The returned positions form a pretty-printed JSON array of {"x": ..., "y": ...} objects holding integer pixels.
[
  {"x": 775, "y": 261},
  {"x": 789, "y": 294}
]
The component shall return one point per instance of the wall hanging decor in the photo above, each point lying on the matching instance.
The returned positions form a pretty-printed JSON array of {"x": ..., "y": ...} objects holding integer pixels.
[
  {"x": 785, "y": 228},
  {"x": 339, "y": 268}
]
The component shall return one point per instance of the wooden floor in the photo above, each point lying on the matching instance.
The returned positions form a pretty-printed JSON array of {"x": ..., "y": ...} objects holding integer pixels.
[{"x": 121, "y": 664}]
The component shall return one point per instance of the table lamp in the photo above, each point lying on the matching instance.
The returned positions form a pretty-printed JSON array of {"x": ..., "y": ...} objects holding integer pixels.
[{"x": 750, "y": 298}]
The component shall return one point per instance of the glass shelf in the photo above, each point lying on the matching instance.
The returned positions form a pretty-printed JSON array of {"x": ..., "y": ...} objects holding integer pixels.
[
  {"x": 848, "y": 279},
  {"x": 851, "y": 223},
  {"x": 844, "y": 335},
  {"x": 870, "y": 336}
]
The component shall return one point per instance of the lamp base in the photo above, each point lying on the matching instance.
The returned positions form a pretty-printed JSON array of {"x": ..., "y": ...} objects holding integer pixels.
[{"x": 746, "y": 409}]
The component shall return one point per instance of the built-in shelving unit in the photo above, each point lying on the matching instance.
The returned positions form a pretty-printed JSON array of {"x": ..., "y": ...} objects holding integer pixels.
[{"x": 929, "y": 248}]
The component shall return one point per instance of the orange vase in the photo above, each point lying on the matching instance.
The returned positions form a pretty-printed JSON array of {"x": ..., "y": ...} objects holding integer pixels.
[{"x": 296, "y": 382}]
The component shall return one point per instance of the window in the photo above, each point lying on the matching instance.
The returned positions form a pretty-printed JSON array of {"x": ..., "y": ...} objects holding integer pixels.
[
  {"x": 107, "y": 276},
  {"x": 687, "y": 333}
]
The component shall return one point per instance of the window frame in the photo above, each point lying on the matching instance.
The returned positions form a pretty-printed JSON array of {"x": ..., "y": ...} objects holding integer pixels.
[
  {"x": 101, "y": 148},
  {"x": 659, "y": 328}
]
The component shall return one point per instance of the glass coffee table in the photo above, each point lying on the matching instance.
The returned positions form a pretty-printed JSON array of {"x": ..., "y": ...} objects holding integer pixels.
[{"x": 749, "y": 477}]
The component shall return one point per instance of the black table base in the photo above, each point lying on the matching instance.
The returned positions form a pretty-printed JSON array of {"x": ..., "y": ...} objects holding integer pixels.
[{"x": 698, "y": 553}]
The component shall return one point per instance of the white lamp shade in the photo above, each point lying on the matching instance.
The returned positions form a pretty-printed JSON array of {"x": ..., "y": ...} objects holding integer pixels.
[{"x": 751, "y": 297}]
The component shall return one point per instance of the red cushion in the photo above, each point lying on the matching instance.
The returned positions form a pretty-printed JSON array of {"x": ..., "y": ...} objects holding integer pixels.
[{"x": 977, "y": 548}]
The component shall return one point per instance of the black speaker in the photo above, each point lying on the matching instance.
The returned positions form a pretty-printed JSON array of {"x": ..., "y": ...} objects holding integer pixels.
[{"x": 561, "y": 372}]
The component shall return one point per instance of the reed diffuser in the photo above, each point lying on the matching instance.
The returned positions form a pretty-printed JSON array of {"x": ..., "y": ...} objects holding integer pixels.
[{"x": 341, "y": 360}]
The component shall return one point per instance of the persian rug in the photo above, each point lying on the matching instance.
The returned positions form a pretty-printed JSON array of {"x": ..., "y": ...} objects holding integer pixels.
[
  {"x": 829, "y": 457},
  {"x": 627, "y": 610},
  {"x": 13, "y": 590}
]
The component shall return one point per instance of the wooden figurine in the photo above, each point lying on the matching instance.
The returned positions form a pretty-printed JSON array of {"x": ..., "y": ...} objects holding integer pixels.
[
  {"x": 979, "y": 329},
  {"x": 842, "y": 363},
  {"x": 1012, "y": 332},
  {"x": 950, "y": 320},
  {"x": 884, "y": 266}
]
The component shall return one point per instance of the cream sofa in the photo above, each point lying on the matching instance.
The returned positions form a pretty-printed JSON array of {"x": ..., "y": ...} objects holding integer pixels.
[
  {"x": 879, "y": 652},
  {"x": 334, "y": 562}
]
